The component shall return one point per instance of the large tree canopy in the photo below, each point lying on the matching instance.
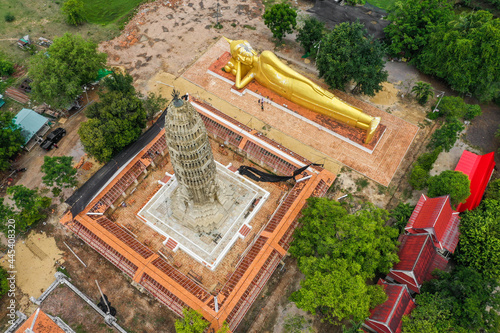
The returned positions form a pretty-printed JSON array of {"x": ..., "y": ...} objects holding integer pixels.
[
  {"x": 349, "y": 54},
  {"x": 29, "y": 208},
  {"x": 281, "y": 19},
  {"x": 116, "y": 121},
  {"x": 464, "y": 52},
  {"x": 461, "y": 301},
  {"x": 412, "y": 23},
  {"x": 479, "y": 245},
  {"x": 311, "y": 34},
  {"x": 454, "y": 183},
  {"x": 59, "y": 74},
  {"x": 338, "y": 252},
  {"x": 58, "y": 170},
  {"x": 11, "y": 139}
]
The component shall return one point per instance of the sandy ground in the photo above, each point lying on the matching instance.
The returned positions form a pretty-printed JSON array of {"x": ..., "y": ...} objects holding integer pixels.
[{"x": 36, "y": 260}]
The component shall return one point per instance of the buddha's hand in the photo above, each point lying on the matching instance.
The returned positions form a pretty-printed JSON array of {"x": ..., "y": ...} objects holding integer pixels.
[{"x": 230, "y": 67}]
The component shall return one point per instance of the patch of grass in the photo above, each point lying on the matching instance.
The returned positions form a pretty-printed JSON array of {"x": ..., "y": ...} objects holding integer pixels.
[
  {"x": 361, "y": 183},
  {"x": 63, "y": 270},
  {"x": 45, "y": 22},
  {"x": 269, "y": 3},
  {"x": 249, "y": 27},
  {"x": 108, "y": 11},
  {"x": 384, "y": 4}
]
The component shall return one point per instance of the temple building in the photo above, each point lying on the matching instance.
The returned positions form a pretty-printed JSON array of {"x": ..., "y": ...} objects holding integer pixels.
[{"x": 201, "y": 200}]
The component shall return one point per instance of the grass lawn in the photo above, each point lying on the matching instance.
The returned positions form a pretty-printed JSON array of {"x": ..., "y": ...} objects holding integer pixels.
[
  {"x": 108, "y": 11},
  {"x": 384, "y": 4},
  {"x": 43, "y": 18}
]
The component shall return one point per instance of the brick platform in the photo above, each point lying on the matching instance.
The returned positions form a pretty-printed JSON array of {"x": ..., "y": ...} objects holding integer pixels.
[{"x": 380, "y": 165}]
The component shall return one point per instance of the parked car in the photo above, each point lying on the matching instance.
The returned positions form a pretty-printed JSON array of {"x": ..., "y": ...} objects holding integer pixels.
[{"x": 53, "y": 138}]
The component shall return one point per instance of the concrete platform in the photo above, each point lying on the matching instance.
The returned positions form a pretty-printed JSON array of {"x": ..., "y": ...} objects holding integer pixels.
[{"x": 207, "y": 248}]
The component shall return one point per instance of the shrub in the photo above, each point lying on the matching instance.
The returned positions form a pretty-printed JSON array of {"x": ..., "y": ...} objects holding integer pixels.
[
  {"x": 493, "y": 190},
  {"x": 455, "y": 107},
  {"x": 9, "y": 17},
  {"x": 401, "y": 213},
  {"x": 426, "y": 160},
  {"x": 419, "y": 177},
  {"x": 447, "y": 135},
  {"x": 472, "y": 112},
  {"x": 6, "y": 68}
]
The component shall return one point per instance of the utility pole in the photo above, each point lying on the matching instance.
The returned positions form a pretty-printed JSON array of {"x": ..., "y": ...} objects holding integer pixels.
[{"x": 441, "y": 94}]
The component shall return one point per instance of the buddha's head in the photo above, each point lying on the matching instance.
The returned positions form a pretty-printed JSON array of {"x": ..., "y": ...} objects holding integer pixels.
[{"x": 242, "y": 51}]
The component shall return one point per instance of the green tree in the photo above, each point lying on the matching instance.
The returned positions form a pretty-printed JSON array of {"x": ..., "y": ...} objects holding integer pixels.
[
  {"x": 58, "y": 170},
  {"x": 419, "y": 177},
  {"x": 338, "y": 252},
  {"x": 59, "y": 74},
  {"x": 6, "y": 67},
  {"x": 193, "y": 322},
  {"x": 479, "y": 245},
  {"x": 412, "y": 22},
  {"x": 432, "y": 315},
  {"x": 311, "y": 34},
  {"x": 426, "y": 160},
  {"x": 281, "y": 19},
  {"x": 493, "y": 190},
  {"x": 356, "y": 2},
  {"x": 454, "y": 183},
  {"x": 30, "y": 207},
  {"x": 447, "y": 135},
  {"x": 337, "y": 289},
  {"x": 118, "y": 81},
  {"x": 401, "y": 214},
  {"x": 464, "y": 52},
  {"x": 454, "y": 107},
  {"x": 423, "y": 91},
  {"x": 73, "y": 10},
  {"x": 461, "y": 301},
  {"x": 11, "y": 139},
  {"x": 115, "y": 121},
  {"x": 348, "y": 53},
  {"x": 153, "y": 104}
]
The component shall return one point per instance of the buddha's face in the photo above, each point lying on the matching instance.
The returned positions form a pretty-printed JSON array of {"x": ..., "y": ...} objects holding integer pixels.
[{"x": 244, "y": 53}]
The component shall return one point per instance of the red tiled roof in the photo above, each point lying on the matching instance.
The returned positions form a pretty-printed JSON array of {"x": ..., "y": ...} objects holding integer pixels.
[
  {"x": 417, "y": 260},
  {"x": 479, "y": 169},
  {"x": 435, "y": 216},
  {"x": 39, "y": 322},
  {"x": 386, "y": 318}
]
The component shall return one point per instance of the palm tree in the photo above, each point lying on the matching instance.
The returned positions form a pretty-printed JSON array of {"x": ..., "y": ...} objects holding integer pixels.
[{"x": 423, "y": 91}]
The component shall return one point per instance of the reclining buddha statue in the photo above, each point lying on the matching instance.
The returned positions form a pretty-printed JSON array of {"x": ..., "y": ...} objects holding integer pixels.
[{"x": 272, "y": 73}]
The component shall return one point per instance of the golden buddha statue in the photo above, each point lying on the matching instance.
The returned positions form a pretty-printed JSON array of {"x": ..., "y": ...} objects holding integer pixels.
[{"x": 271, "y": 73}]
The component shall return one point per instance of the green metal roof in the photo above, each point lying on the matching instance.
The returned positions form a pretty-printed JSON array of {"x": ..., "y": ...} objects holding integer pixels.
[{"x": 29, "y": 122}]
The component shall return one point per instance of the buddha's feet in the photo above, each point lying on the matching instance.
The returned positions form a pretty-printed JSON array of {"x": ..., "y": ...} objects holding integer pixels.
[{"x": 373, "y": 128}]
